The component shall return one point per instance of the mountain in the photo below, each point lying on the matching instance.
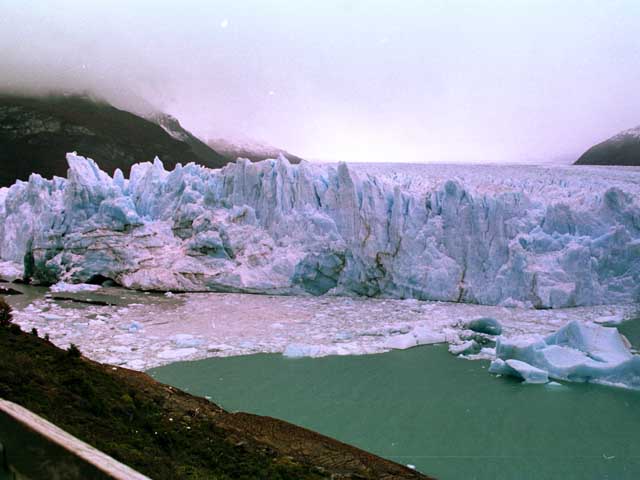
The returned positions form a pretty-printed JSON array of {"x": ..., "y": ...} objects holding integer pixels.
[
  {"x": 251, "y": 150},
  {"x": 621, "y": 149},
  {"x": 37, "y": 132}
]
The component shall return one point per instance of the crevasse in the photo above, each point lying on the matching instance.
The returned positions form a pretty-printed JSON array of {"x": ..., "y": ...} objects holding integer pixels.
[{"x": 272, "y": 227}]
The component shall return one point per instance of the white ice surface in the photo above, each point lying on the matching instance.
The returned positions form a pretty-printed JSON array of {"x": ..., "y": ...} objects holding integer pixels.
[
  {"x": 577, "y": 352},
  {"x": 64, "y": 287},
  {"x": 200, "y": 325},
  {"x": 515, "y": 236},
  {"x": 10, "y": 271}
]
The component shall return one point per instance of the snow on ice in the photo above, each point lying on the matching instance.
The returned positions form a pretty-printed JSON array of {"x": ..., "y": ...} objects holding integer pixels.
[{"x": 513, "y": 236}]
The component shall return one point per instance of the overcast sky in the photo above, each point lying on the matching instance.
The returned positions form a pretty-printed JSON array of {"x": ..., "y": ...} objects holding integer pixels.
[{"x": 495, "y": 81}]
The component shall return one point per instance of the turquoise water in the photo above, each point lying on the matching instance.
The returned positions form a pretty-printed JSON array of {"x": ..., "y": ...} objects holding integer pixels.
[{"x": 447, "y": 416}]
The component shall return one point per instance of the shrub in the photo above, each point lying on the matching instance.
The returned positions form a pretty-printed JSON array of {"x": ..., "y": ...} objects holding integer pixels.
[
  {"x": 34, "y": 331},
  {"x": 5, "y": 312},
  {"x": 73, "y": 351}
]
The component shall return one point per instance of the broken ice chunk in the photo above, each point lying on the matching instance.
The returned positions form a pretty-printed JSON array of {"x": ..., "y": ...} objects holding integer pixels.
[
  {"x": 578, "y": 352},
  {"x": 466, "y": 348},
  {"x": 487, "y": 325},
  {"x": 299, "y": 350}
]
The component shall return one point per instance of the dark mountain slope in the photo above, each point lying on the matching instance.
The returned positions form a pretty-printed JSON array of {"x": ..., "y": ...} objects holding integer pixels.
[
  {"x": 37, "y": 132},
  {"x": 621, "y": 149},
  {"x": 163, "y": 432}
]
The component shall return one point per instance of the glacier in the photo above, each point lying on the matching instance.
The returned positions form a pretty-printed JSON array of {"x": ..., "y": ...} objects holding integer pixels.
[{"x": 541, "y": 241}]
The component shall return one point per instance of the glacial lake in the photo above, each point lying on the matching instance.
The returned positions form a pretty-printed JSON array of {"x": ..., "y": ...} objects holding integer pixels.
[{"x": 447, "y": 416}]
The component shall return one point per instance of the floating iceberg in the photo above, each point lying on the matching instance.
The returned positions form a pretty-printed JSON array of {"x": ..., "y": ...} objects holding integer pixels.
[
  {"x": 578, "y": 352},
  {"x": 272, "y": 227},
  {"x": 518, "y": 368},
  {"x": 299, "y": 350},
  {"x": 420, "y": 335},
  {"x": 487, "y": 325},
  {"x": 64, "y": 287}
]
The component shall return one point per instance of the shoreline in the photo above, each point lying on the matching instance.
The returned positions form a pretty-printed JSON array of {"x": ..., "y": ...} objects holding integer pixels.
[{"x": 164, "y": 432}]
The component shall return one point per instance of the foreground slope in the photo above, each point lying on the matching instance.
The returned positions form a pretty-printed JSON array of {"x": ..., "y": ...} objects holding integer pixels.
[
  {"x": 36, "y": 132},
  {"x": 165, "y": 433},
  {"x": 541, "y": 238},
  {"x": 621, "y": 149}
]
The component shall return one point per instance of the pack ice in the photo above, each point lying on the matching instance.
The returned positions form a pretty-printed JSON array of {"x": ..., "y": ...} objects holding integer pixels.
[
  {"x": 272, "y": 227},
  {"x": 578, "y": 352}
]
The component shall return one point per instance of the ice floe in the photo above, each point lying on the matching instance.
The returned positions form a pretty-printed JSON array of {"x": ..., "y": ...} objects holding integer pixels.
[
  {"x": 64, "y": 287},
  {"x": 578, "y": 352},
  {"x": 154, "y": 329}
]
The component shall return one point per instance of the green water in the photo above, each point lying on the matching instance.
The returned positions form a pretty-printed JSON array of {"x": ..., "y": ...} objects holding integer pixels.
[{"x": 447, "y": 416}]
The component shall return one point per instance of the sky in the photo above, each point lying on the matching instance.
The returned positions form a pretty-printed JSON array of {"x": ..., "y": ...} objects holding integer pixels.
[{"x": 354, "y": 80}]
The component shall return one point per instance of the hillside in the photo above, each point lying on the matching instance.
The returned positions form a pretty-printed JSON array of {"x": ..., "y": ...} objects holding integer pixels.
[
  {"x": 163, "y": 432},
  {"x": 621, "y": 149},
  {"x": 37, "y": 132}
]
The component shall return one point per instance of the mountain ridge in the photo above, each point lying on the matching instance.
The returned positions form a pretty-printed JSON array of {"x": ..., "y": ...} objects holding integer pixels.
[
  {"x": 621, "y": 149},
  {"x": 37, "y": 132}
]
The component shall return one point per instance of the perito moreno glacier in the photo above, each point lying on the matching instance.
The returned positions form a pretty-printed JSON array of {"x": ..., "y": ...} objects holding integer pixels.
[{"x": 272, "y": 227}]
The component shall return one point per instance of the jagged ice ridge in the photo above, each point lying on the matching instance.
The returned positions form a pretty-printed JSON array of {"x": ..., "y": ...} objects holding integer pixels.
[{"x": 272, "y": 227}]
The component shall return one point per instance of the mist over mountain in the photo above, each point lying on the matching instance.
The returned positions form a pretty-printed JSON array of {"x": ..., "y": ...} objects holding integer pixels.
[
  {"x": 252, "y": 150},
  {"x": 37, "y": 132}
]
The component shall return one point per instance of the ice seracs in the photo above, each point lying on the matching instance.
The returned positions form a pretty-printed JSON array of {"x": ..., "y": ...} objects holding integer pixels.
[
  {"x": 578, "y": 352},
  {"x": 272, "y": 227}
]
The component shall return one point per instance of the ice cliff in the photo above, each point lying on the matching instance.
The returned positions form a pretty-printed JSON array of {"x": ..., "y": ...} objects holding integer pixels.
[{"x": 272, "y": 227}]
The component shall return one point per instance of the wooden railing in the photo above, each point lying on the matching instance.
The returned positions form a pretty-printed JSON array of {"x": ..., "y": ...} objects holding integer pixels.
[{"x": 33, "y": 448}]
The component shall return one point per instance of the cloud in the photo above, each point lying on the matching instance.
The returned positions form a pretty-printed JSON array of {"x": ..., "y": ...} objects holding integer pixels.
[{"x": 354, "y": 80}]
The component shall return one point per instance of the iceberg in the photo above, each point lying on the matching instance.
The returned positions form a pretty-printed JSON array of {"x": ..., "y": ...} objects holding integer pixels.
[
  {"x": 487, "y": 325},
  {"x": 63, "y": 287},
  {"x": 518, "y": 368},
  {"x": 469, "y": 347},
  {"x": 578, "y": 352},
  {"x": 300, "y": 350},
  {"x": 276, "y": 228}
]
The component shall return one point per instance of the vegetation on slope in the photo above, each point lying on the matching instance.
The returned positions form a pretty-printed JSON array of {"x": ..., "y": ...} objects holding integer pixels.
[
  {"x": 37, "y": 132},
  {"x": 164, "y": 432}
]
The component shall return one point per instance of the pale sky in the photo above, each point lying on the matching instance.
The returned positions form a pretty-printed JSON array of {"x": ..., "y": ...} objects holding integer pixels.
[{"x": 354, "y": 80}]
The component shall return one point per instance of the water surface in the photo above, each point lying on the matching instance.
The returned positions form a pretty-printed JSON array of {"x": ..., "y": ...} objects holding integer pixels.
[{"x": 447, "y": 416}]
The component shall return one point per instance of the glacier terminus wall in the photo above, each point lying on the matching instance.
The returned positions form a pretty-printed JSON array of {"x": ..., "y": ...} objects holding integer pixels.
[{"x": 271, "y": 227}]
